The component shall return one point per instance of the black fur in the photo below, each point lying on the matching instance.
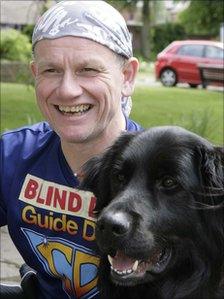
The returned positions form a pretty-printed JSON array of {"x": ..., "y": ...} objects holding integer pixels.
[{"x": 161, "y": 189}]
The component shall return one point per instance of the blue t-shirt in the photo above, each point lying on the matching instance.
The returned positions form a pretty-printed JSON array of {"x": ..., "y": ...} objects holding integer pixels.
[{"x": 50, "y": 222}]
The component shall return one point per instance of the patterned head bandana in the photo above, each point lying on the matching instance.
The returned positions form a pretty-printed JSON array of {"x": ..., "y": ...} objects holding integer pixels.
[{"x": 94, "y": 20}]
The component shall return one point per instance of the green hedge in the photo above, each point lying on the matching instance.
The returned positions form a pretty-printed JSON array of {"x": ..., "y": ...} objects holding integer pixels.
[
  {"x": 28, "y": 31},
  {"x": 15, "y": 45},
  {"x": 16, "y": 72},
  {"x": 164, "y": 34}
]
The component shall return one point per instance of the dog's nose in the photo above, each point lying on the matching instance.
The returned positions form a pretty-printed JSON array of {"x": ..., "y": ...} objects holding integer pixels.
[{"x": 114, "y": 223}]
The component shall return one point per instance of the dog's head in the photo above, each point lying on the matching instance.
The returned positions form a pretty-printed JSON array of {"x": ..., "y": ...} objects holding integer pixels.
[{"x": 160, "y": 200}]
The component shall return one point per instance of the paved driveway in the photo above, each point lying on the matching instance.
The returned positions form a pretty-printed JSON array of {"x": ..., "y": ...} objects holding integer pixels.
[{"x": 10, "y": 259}]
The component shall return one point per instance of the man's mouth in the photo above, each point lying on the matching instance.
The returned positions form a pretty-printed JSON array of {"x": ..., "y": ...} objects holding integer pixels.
[
  {"x": 74, "y": 110},
  {"x": 124, "y": 267}
]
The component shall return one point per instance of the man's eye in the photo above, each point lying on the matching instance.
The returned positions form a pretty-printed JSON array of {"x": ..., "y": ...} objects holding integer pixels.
[
  {"x": 88, "y": 72},
  {"x": 87, "y": 69},
  {"x": 50, "y": 71}
]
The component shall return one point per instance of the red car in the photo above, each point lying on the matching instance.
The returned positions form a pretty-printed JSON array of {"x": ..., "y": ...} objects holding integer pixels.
[{"x": 179, "y": 61}]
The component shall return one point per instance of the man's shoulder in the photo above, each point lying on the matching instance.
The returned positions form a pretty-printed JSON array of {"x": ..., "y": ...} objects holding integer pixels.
[
  {"x": 38, "y": 128},
  {"x": 27, "y": 137}
]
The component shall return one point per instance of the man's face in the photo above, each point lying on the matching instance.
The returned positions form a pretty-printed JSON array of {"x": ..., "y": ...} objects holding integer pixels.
[{"x": 78, "y": 87}]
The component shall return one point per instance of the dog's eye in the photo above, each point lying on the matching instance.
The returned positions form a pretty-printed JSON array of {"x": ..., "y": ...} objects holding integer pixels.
[
  {"x": 120, "y": 177},
  {"x": 168, "y": 182}
]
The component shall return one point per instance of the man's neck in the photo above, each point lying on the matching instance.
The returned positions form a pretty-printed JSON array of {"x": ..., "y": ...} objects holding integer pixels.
[{"x": 77, "y": 154}]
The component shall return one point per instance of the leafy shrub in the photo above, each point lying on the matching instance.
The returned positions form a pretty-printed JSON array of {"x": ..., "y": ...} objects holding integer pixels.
[
  {"x": 28, "y": 30},
  {"x": 203, "y": 18},
  {"x": 164, "y": 34},
  {"x": 16, "y": 71},
  {"x": 14, "y": 45}
]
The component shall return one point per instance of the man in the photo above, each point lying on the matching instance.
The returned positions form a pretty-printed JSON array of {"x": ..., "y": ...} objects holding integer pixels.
[{"x": 84, "y": 75}]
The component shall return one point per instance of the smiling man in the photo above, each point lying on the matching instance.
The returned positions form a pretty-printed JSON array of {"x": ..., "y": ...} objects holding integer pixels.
[
  {"x": 84, "y": 75},
  {"x": 79, "y": 84}
]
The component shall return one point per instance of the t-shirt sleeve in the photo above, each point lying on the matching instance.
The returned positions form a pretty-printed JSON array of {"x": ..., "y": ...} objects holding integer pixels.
[{"x": 3, "y": 220}]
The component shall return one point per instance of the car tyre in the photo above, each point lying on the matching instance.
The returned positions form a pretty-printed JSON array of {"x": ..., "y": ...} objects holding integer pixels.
[
  {"x": 193, "y": 85},
  {"x": 168, "y": 77}
]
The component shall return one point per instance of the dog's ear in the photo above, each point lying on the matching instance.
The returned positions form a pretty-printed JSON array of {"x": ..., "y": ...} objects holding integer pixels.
[
  {"x": 211, "y": 168},
  {"x": 210, "y": 199},
  {"x": 97, "y": 171},
  {"x": 90, "y": 174}
]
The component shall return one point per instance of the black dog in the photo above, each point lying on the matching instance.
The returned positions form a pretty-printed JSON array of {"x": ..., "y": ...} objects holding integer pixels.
[{"x": 160, "y": 228}]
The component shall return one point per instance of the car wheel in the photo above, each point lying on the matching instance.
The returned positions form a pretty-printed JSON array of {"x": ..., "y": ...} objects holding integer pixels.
[
  {"x": 168, "y": 77},
  {"x": 193, "y": 85}
]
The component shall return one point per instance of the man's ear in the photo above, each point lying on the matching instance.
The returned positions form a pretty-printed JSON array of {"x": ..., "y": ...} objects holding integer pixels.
[
  {"x": 33, "y": 68},
  {"x": 130, "y": 70}
]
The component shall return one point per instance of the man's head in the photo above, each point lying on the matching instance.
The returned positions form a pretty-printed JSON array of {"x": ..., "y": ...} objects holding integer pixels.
[
  {"x": 95, "y": 20},
  {"x": 83, "y": 68}
]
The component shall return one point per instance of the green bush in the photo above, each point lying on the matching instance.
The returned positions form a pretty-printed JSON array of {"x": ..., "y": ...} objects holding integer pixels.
[
  {"x": 15, "y": 45},
  {"x": 28, "y": 31},
  {"x": 203, "y": 18},
  {"x": 164, "y": 34}
]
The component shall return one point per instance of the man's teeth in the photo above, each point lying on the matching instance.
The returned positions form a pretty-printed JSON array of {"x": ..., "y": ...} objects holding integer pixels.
[
  {"x": 126, "y": 271},
  {"x": 77, "y": 108}
]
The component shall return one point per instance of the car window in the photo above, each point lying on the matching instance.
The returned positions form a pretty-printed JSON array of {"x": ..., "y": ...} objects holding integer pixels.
[
  {"x": 191, "y": 50},
  {"x": 214, "y": 52}
]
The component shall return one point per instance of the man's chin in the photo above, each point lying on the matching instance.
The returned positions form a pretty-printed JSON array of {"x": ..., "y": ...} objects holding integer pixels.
[{"x": 74, "y": 138}]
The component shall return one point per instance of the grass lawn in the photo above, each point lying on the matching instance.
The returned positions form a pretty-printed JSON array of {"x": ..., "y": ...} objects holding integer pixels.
[
  {"x": 198, "y": 110},
  {"x": 18, "y": 106}
]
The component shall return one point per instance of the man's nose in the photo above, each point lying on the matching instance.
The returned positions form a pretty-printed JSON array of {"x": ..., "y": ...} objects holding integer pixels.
[{"x": 69, "y": 86}]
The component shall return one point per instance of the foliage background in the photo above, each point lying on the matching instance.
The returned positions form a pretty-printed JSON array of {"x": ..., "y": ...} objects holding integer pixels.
[
  {"x": 200, "y": 111},
  {"x": 14, "y": 45},
  {"x": 203, "y": 17}
]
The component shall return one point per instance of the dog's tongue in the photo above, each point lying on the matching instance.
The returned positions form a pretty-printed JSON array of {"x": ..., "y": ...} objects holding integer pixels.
[{"x": 121, "y": 262}]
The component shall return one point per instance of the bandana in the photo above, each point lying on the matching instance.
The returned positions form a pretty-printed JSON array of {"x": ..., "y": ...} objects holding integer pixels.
[{"x": 94, "y": 20}]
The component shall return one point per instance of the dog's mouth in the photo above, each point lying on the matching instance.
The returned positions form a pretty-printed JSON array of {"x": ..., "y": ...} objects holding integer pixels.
[{"x": 127, "y": 270}]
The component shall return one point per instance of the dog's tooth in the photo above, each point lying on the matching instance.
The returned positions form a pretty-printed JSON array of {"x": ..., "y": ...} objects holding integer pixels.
[
  {"x": 127, "y": 271},
  {"x": 124, "y": 272},
  {"x": 110, "y": 259},
  {"x": 135, "y": 266}
]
